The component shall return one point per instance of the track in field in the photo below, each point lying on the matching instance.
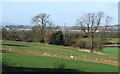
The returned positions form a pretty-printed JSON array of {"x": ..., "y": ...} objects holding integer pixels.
[{"x": 87, "y": 60}]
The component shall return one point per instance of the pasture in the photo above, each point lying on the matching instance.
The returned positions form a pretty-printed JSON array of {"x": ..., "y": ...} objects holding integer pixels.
[
  {"x": 55, "y": 50},
  {"x": 46, "y": 62}
]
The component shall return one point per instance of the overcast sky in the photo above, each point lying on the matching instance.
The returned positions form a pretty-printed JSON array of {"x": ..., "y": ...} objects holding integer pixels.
[{"x": 21, "y": 13}]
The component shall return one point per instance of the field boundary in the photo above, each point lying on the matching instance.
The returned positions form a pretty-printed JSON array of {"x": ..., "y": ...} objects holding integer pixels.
[{"x": 86, "y": 60}]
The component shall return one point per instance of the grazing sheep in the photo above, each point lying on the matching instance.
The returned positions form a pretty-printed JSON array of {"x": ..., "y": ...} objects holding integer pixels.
[{"x": 71, "y": 56}]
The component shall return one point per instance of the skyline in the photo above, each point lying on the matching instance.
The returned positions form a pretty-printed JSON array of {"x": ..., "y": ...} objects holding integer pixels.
[{"x": 60, "y": 12}]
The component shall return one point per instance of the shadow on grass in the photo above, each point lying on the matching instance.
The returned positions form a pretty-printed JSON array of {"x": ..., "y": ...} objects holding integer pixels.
[
  {"x": 8, "y": 69},
  {"x": 22, "y": 70},
  {"x": 14, "y": 45},
  {"x": 4, "y": 51}
]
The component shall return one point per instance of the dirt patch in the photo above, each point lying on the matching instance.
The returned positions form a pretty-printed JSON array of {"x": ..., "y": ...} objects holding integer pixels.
[
  {"x": 111, "y": 45},
  {"x": 93, "y": 52},
  {"x": 46, "y": 54},
  {"x": 84, "y": 50},
  {"x": 41, "y": 43},
  {"x": 99, "y": 53}
]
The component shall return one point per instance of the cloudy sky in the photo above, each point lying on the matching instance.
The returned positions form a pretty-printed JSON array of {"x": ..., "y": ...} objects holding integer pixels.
[{"x": 21, "y": 13}]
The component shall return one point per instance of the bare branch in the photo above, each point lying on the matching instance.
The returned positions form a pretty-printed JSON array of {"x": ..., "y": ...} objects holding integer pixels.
[{"x": 41, "y": 22}]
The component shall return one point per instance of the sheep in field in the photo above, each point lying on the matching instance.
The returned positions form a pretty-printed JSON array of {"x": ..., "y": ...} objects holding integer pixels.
[{"x": 71, "y": 56}]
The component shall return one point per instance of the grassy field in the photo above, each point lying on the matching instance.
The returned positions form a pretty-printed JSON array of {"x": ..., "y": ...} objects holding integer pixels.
[
  {"x": 40, "y": 63},
  {"x": 60, "y": 50},
  {"x": 111, "y": 40}
]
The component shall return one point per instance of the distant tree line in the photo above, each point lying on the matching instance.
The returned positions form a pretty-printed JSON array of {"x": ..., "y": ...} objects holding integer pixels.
[{"x": 17, "y": 26}]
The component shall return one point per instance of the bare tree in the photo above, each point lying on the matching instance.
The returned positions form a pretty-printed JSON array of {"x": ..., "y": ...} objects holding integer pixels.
[
  {"x": 90, "y": 23},
  {"x": 104, "y": 32},
  {"x": 42, "y": 24}
]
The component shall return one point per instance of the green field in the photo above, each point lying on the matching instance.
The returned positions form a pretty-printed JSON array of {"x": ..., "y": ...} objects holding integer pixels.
[
  {"x": 60, "y": 50},
  {"x": 42, "y": 62},
  {"x": 30, "y": 61},
  {"x": 111, "y": 40}
]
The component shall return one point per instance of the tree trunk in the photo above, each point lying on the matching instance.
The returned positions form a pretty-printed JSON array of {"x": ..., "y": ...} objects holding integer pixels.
[
  {"x": 42, "y": 36},
  {"x": 92, "y": 44}
]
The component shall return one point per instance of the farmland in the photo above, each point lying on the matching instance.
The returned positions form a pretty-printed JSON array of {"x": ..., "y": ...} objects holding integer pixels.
[
  {"x": 30, "y": 61},
  {"x": 59, "y": 37},
  {"x": 59, "y": 50}
]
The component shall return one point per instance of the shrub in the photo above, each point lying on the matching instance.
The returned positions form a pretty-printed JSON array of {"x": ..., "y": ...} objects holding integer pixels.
[
  {"x": 42, "y": 41},
  {"x": 47, "y": 36},
  {"x": 59, "y": 65},
  {"x": 98, "y": 42},
  {"x": 88, "y": 45},
  {"x": 68, "y": 41},
  {"x": 57, "y": 38},
  {"x": 80, "y": 43},
  {"x": 71, "y": 37}
]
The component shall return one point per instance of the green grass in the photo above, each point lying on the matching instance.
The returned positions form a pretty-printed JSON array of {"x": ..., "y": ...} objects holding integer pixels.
[
  {"x": 113, "y": 40},
  {"x": 86, "y": 39},
  {"x": 59, "y": 50},
  {"x": 111, "y": 51},
  {"x": 29, "y": 61}
]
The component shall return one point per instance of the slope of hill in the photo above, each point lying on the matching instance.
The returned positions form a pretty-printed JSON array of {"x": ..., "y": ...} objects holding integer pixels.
[
  {"x": 28, "y": 63},
  {"x": 107, "y": 54},
  {"x": 43, "y": 61}
]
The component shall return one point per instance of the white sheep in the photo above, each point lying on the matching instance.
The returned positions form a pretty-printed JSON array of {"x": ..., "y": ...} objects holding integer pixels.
[{"x": 71, "y": 56}]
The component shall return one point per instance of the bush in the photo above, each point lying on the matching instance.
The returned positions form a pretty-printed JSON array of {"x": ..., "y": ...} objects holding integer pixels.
[
  {"x": 57, "y": 38},
  {"x": 71, "y": 37},
  {"x": 47, "y": 36},
  {"x": 68, "y": 41},
  {"x": 88, "y": 45},
  {"x": 109, "y": 34},
  {"x": 80, "y": 43},
  {"x": 59, "y": 65},
  {"x": 98, "y": 42},
  {"x": 42, "y": 41}
]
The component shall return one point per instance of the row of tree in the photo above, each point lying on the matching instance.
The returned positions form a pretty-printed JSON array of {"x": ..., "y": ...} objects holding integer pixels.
[
  {"x": 91, "y": 21},
  {"x": 43, "y": 31}
]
